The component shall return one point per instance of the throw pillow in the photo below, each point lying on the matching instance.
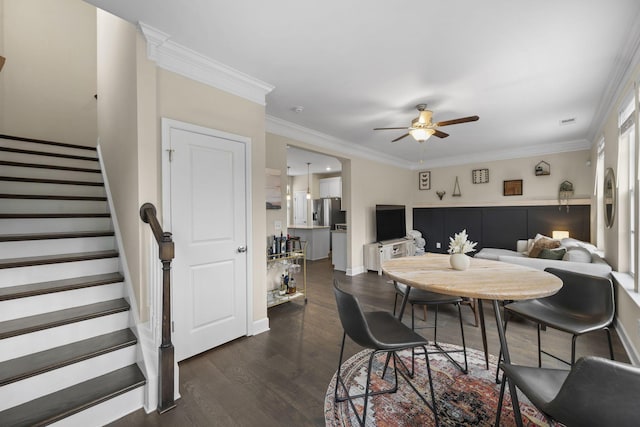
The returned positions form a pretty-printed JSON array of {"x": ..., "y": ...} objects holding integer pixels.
[
  {"x": 543, "y": 243},
  {"x": 552, "y": 253},
  {"x": 577, "y": 254}
]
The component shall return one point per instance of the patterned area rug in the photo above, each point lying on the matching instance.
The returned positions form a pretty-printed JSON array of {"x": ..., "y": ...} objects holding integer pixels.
[{"x": 462, "y": 400}]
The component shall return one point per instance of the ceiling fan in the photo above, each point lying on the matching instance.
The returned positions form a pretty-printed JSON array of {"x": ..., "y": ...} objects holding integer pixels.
[{"x": 422, "y": 128}]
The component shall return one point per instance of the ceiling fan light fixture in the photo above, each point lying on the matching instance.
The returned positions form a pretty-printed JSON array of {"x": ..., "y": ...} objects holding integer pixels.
[{"x": 421, "y": 135}]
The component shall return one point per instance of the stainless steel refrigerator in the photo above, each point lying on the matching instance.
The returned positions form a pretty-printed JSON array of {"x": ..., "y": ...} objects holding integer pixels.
[{"x": 327, "y": 212}]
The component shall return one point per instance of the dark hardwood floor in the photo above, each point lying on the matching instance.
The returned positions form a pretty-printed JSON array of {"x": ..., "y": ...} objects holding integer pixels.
[{"x": 280, "y": 377}]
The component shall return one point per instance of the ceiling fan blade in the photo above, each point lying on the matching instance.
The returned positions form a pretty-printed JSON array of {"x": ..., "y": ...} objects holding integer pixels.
[
  {"x": 400, "y": 137},
  {"x": 402, "y": 128},
  {"x": 440, "y": 134},
  {"x": 457, "y": 121}
]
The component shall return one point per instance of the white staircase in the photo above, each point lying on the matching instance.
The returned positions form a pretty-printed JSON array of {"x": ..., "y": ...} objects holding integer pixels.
[{"x": 67, "y": 355}]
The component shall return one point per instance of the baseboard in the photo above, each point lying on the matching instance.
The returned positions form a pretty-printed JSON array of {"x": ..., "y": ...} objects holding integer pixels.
[
  {"x": 355, "y": 271},
  {"x": 634, "y": 357},
  {"x": 259, "y": 326}
]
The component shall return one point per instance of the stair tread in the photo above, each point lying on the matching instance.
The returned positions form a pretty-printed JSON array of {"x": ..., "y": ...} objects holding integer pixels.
[
  {"x": 51, "y": 181},
  {"x": 57, "y": 235},
  {"x": 25, "y": 325},
  {"x": 52, "y": 197},
  {"x": 66, "y": 402},
  {"x": 56, "y": 259},
  {"x": 48, "y": 153},
  {"x": 33, "y": 289},
  {"x": 46, "y": 142},
  {"x": 53, "y": 215},
  {"x": 37, "y": 363},
  {"x": 45, "y": 166}
]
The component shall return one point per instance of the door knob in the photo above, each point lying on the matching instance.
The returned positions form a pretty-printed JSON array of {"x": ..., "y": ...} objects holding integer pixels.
[{"x": 242, "y": 249}]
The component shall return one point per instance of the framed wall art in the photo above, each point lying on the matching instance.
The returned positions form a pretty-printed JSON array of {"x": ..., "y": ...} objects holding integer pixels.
[
  {"x": 512, "y": 187},
  {"x": 480, "y": 176},
  {"x": 424, "y": 180}
]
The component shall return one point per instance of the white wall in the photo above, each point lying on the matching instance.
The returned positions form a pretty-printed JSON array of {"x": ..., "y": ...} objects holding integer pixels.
[
  {"x": 117, "y": 131},
  {"x": 49, "y": 79},
  {"x": 536, "y": 189},
  {"x": 140, "y": 95},
  {"x": 183, "y": 99},
  {"x": 616, "y": 249}
]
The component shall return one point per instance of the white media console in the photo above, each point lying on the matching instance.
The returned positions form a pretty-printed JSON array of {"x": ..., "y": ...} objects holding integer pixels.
[{"x": 377, "y": 252}]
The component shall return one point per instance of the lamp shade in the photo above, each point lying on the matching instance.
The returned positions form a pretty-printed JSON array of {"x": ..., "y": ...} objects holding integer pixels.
[{"x": 559, "y": 234}]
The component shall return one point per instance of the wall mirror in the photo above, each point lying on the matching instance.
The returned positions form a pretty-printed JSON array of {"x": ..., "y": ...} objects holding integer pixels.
[{"x": 609, "y": 197}]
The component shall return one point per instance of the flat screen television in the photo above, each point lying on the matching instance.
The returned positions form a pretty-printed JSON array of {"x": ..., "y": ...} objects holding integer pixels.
[{"x": 390, "y": 222}]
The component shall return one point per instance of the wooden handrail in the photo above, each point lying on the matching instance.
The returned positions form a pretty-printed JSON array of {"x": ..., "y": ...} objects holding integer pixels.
[{"x": 166, "y": 353}]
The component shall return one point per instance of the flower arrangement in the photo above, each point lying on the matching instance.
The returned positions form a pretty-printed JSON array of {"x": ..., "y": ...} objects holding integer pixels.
[{"x": 459, "y": 244}]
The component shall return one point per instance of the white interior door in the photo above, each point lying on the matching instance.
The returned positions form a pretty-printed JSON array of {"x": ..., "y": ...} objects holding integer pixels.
[
  {"x": 300, "y": 208},
  {"x": 209, "y": 226}
]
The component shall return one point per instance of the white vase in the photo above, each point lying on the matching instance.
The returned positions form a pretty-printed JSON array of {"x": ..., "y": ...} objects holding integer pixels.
[{"x": 459, "y": 261}]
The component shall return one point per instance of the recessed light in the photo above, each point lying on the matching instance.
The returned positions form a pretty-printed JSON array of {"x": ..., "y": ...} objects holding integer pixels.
[
  {"x": 328, "y": 168},
  {"x": 298, "y": 108}
]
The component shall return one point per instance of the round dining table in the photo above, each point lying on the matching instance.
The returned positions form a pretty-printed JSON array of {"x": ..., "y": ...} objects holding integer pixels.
[{"x": 483, "y": 280}]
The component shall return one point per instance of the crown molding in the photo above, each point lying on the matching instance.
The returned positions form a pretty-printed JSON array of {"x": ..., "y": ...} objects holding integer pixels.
[
  {"x": 181, "y": 60},
  {"x": 490, "y": 156},
  {"x": 300, "y": 133},
  {"x": 623, "y": 72}
]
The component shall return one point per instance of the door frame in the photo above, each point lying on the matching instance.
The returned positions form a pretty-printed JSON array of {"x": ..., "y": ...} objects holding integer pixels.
[{"x": 167, "y": 126}]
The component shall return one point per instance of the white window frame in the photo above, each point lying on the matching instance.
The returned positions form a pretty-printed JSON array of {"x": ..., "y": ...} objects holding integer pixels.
[{"x": 599, "y": 194}]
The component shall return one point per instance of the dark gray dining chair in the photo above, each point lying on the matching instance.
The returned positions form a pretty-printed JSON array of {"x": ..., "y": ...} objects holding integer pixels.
[
  {"x": 584, "y": 304},
  {"x": 596, "y": 392},
  {"x": 420, "y": 297},
  {"x": 383, "y": 333}
]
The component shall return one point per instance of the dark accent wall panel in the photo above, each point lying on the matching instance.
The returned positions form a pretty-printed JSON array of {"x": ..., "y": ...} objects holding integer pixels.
[
  {"x": 430, "y": 222},
  {"x": 500, "y": 226},
  {"x": 458, "y": 219},
  {"x": 577, "y": 220}
]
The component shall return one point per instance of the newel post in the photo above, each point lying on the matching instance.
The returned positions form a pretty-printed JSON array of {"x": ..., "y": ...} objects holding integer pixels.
[
  {"x": 166, "y": 363},
  {"x": 166, "y": 354}
]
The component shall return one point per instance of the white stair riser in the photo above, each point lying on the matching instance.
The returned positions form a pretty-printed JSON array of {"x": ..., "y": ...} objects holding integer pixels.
[
  {"x": 23, "y": 307},
  {"x": 15, "y": 187},
  {"x": 45, "y": 225},
  {"x": 34, "y": 146},
  {"x": 21, "y": 345},
  {"x": 52, "y": 206},
  {"x": 24, "y": 172},
  {"x": 31, "y": 388},
  {"x": 107, "y": 412},
  {"x": 48, "y": 160},
  {"x": 65, "y": 270},
  {"x": 28, "y": 248}
]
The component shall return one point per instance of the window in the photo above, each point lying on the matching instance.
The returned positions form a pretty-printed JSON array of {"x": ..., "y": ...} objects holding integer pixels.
[
  {"x": 599, "y": 193},
  {"x": 628, "y": 172}
]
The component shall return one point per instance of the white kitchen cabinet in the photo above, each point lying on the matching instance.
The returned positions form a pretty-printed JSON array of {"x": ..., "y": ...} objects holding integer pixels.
[
  {"x": 317, "y": 238},
  {"x": 331, "y": 187},
  {"x": 339, "y": 250}
]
